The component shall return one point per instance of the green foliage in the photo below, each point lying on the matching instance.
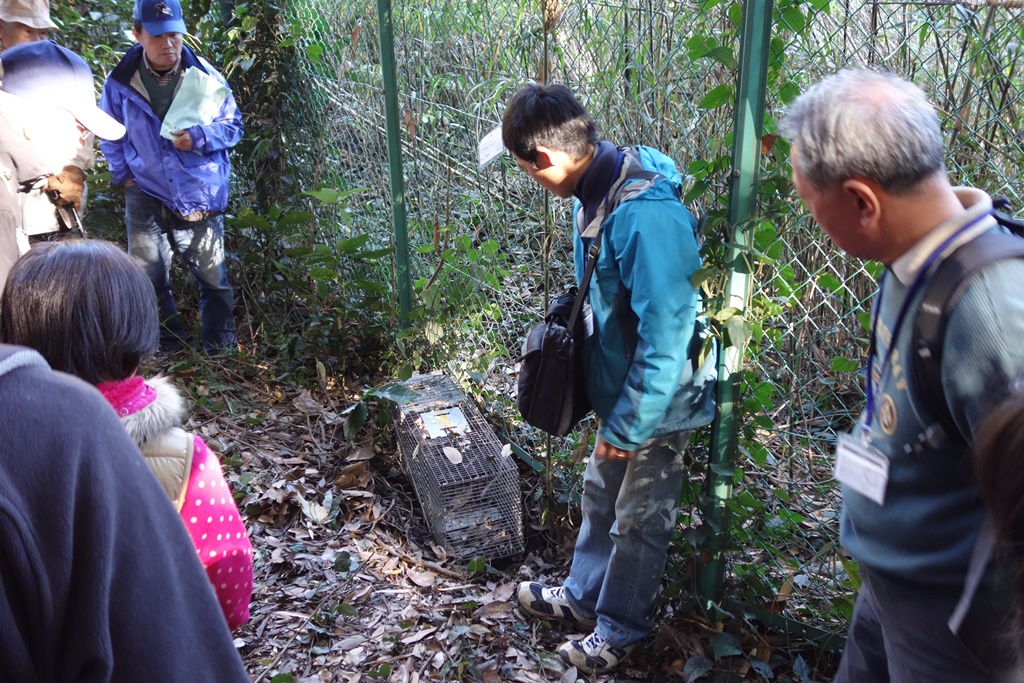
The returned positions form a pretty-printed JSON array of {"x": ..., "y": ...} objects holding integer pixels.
[
  {"x": 451, "y": 314},
  {"x": 381, "y": 671},
  {"x": 318, "y": 289}
]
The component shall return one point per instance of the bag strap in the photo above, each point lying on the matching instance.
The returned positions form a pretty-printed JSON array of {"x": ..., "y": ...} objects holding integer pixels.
[
  {"x": 588, "y": 272},
  {"x": 620, "y": 190},
  {"x": 946, "y": 284}
]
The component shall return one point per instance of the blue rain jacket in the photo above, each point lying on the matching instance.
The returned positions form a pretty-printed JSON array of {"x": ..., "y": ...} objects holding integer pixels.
[
  {"x": 184, "y": 181},
  {"x": 641, "y": 380}
]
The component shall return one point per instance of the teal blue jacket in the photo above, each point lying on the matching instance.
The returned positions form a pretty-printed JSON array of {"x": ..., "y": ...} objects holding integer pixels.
[{"x": 641, "y": 380}]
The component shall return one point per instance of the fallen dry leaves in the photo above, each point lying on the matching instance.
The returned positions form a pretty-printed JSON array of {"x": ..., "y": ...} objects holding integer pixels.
[{"x": 348, "y": 584}]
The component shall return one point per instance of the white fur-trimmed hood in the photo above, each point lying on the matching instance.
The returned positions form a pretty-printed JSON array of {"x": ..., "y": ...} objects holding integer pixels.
[{"x": 163, "y": 414}]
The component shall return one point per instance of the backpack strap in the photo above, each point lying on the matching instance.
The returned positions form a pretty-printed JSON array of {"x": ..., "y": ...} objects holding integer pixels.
[
  {"x": 1000, "y": 205},
  {"x": 631, "y": 179},
  {"x": 947, "y": 283}
]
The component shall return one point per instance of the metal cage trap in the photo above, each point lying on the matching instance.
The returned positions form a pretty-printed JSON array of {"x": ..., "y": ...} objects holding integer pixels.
[{"x": 468, "y": 489}]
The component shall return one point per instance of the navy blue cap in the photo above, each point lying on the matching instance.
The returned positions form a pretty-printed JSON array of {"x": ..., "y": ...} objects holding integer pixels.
[
  {"x": 48, "y": 74},
  {"x": 159, "y": 16}
]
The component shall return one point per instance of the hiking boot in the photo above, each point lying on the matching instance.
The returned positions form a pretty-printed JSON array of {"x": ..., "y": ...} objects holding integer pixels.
[
  {"x": 593, "y": 654},
  {"x": 550, "y": 603}
]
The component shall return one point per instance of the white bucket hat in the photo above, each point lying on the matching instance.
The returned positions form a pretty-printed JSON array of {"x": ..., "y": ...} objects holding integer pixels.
[{"x": 32, "y": 13}]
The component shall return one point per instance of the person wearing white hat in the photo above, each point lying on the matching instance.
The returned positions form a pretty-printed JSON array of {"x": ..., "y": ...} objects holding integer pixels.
[
  {"x": 24, "y": 21},
  {"x": 45, "y": 75},
  {"x": 28, "y": 21},
  {"x": 19, "y": 163}
]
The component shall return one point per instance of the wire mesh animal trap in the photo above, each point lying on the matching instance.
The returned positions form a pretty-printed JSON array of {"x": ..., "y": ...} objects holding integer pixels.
[{"x": 468, "y": 489}]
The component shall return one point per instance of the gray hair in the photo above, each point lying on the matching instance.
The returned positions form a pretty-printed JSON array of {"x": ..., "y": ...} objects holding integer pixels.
[{"x": 865, "y": 124}]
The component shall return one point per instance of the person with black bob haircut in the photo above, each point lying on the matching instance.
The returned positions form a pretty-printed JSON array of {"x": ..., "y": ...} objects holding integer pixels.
[
  {"x": 91, "y": 312},
  {"x": 82, "y": 309}
]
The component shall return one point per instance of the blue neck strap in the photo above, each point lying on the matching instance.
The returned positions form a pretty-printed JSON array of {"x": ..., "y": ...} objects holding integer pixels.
[{"x": 922, "y": 275}]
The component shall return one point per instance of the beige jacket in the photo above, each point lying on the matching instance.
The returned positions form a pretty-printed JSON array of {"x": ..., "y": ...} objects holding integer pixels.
[{"x": 156, "y": 430}]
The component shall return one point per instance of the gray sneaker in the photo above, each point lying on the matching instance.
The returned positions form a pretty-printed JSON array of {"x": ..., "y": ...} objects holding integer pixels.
[
  {"x": 593, "y": 654},
  {"x": 550, "y": 603}
]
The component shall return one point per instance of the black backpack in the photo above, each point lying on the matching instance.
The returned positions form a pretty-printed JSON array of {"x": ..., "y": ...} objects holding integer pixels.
[{"x": 947, "y": 284}]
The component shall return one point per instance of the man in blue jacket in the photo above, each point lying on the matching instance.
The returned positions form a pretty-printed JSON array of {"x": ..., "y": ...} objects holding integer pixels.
[
  {"x": 176, "y": 183},
  {"x": 640, "y": 377}
]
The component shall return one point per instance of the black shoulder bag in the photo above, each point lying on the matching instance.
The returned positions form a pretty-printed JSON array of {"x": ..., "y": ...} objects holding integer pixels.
[{"x": 552, "y": 392}]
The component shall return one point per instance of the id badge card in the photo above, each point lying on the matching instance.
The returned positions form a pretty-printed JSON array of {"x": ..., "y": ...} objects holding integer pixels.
[
  {"x": 861, "y": 467},
  {"x": 588, "y": 321}
]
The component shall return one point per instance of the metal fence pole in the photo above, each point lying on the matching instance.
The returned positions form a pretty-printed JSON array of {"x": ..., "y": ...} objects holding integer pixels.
[
  {"x": 749, "y": 118},
  {"x": 391, "y": 113}
]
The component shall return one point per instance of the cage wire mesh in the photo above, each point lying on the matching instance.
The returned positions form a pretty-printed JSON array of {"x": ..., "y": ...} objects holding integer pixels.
[
  {"x": 487, "y": 246},
  {"x": 468, "y": 488}
]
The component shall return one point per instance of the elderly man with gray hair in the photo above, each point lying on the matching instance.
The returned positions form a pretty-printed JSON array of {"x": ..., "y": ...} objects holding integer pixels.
[{"x": 868, "y": 161}]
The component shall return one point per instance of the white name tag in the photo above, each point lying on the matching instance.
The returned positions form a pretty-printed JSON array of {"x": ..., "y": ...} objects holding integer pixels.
[
  {"x": 490, "y": 147},
  {"x": 862, "y": 468},
  {"x": 588, "y": 320}
]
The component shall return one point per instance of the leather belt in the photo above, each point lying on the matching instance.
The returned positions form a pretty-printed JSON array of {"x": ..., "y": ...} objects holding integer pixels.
[{"x": 196, "y": 215}]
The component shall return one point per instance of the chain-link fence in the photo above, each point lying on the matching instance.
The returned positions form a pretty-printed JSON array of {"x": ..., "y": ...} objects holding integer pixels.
[{"x": 487, "y": 244}]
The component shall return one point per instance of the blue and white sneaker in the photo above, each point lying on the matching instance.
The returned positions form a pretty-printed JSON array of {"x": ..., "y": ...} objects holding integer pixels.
[
  {"x": 593, "y": 654},
  {"x": 550, "y": 603}
]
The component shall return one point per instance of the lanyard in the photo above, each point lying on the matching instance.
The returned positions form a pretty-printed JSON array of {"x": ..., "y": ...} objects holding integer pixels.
[{"x": 922, "y": 274}]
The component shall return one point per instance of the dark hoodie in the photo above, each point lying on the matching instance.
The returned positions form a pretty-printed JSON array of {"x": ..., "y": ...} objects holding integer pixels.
[{"x": 98, "y": 578}]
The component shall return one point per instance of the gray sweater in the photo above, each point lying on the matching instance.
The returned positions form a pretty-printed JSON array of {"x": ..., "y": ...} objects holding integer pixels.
[{"x": 932, "y": 513}]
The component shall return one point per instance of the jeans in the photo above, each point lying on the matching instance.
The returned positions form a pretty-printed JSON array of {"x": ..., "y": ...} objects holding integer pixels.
[
  {"x": 153, "y": 232},
  {"x": 629, "y": 513},
  {"x": 899, "y": 635}
]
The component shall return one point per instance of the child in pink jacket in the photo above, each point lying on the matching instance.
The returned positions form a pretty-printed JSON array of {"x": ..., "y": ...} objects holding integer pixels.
[{"x": 91, "y": 312}]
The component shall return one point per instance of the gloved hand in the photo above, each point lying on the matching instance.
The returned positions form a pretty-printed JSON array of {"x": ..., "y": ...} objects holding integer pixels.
[{"x": 69, "y": 185}]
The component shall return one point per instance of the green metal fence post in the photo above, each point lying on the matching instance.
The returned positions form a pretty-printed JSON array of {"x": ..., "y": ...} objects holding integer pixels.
[
  {"x": 391, "y": 113},
  {"x": 749, "y": 118}
]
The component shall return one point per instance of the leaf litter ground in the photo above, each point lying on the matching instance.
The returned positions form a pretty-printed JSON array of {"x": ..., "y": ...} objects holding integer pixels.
[{"x": 350, "y": 587}]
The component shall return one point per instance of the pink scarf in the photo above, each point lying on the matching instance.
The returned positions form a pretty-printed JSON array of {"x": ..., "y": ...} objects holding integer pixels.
[{"x": 128, "y": 396}]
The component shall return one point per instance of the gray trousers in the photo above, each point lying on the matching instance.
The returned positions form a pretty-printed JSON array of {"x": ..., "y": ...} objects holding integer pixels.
[{"x": 899, "y": 635}]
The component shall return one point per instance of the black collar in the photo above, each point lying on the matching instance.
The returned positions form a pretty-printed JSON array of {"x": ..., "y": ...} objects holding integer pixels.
[{"x": 593, "y": 185}]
